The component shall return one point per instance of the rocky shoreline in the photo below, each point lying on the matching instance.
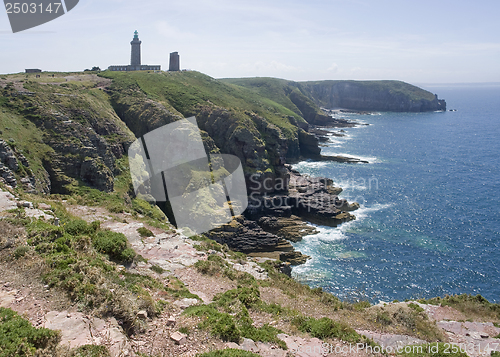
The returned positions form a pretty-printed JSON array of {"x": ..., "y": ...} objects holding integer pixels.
[{"x": 273, "y": 220}]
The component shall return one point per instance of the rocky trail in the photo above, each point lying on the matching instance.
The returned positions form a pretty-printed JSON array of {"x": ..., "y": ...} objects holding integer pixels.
[{"x": 176, "y": 254}]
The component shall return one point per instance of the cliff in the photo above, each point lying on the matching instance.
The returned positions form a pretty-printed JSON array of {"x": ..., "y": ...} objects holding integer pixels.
[
  {"x": 305, "y": 97},
  {"x": 389, "y": 96}
]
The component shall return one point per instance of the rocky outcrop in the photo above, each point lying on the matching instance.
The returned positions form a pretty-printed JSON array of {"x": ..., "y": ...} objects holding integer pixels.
[
  {"x": 242, "y": 136},
  {"x": 85, "y": 142},
  {"x": 247, "y": 236},
  {"x": 271, "y": 220},
  {"x": 244, "y": 235},
  {"x": 391, "y": 96},
  {"x": 308, "y": 144},
  {"x": 310, "y": 198},
  {"x": 141, "y": 114},
  {"x": 94, "y": 172}
]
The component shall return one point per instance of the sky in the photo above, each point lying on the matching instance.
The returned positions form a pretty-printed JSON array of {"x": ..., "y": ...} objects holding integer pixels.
[{"x": 425, "y": 41}]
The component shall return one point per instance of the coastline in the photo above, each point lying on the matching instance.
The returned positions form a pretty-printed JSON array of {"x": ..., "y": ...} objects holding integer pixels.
[{"x": 273, "y": 221}]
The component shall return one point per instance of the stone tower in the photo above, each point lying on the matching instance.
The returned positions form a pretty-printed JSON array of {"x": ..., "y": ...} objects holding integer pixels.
[
  {"x": 175, "y": 64},
  {"x": 135, "y": 58}
]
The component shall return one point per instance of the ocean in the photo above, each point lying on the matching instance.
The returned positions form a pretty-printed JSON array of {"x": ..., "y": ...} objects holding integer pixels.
[{"x": 429, "y": 222}]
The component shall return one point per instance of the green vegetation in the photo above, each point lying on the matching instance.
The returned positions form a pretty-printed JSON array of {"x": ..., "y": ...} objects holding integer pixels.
[
  {"x": 476, "y": 307},
  {"x": 90, "y": 351},
  {"x": 217, "y": 266},
  {"x": 228, "y": 317},
  {"x": 157, "y": 269},
  {"x": 21, "y": 251},
  {"x": 284, "y": 92},
  {"x": 411, "y": 318},
  {"x": 19, "y": 338},
  {"x": 327, "y": 328},
  {"x": 228, "y": 352},
  {"x": 293, "y": 288},
  {"x": 79, "y": 259},
  {"x": 415, "y": 307},
  {"x": 182, "y": 92},
  {"x": 144, "y": 232}
]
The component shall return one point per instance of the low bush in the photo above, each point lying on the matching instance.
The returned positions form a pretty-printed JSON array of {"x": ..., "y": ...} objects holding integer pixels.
[
  {"x": 476, "y": 307},
  {"x": 144, "y": 232},
  {"x": 327, "y": 328},
  {"x": 157, "y": 269},
  {"x": 229, "y": 352},
  {"x": 21, "y": 251},
  {"x": 113, "y": 244},
  {"x": 415, "y": 307},
  {"x": 228, "y": 317},
  {"x": 19, "y": 338},
  {"x": 90, "y": 351}
]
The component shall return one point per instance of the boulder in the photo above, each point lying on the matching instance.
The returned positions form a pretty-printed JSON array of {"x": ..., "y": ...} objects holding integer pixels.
[{"x": 178, "y": 337}]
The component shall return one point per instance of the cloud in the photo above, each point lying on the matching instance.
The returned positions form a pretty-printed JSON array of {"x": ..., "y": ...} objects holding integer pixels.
[
  {"x": 272, "y": 66},
  {"x": 169, "y": 31},
  {"x": 334, "y": 68}
]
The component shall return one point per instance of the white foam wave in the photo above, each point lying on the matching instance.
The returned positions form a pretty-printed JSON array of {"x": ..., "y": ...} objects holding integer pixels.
[
  {"x": 370, "y": 159},
  {"x": 309, "y": 165},
  {"x": 363, "y": 211}
]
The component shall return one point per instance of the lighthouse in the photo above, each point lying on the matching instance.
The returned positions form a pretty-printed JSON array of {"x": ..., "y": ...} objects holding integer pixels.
[{"x": 135, "y": 56}]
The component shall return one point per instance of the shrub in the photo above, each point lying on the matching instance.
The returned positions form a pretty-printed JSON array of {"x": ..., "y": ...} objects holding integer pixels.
[
  {"x": 157, "y": 269},
  {"x": 473, "y": 306},
  {"x": 90, "y": 351},
  {"x": 144, "y": 232},
  {"x": 21, "y": 251},
  {"x": 19, "y": 338},
  {"x": 383, "y": 318},
  {"x": 327, "y": 328},
  {"x": 113, "y": 244},
  {"x": 78, "y": 227},
  {"x": 212, "y": 266},
  {"x": 415, "y": 307},
  {"x": 229, "y": 352}
]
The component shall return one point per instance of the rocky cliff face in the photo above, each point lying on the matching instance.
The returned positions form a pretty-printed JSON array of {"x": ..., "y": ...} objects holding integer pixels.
[
  {"x": 79, "y": 132},
  {"x": 373, "y": 96}
]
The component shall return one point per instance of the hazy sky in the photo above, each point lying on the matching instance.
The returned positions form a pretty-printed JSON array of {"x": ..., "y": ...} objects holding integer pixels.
[{"x": 425, "y": 41}]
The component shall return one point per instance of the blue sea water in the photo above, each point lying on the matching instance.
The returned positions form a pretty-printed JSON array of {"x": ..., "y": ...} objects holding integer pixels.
[{"x": 429, "y": 222}]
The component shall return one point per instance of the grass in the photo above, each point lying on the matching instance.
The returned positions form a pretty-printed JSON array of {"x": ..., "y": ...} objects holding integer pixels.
[
  {"x": 19, "y": 338},
  {"x": 90, "y": 351},
  {"x": 144, "y": 232},
  {"x": 475, "y": 307},
  {"x": 411, "y": 320},
  {"x": 228, "y": 352},
  {"x": 325, "y": 327},
  {"x": 228, "y": 318},
  {"x": 293, "y": 288},
  {"x": 80, "y": 259}
]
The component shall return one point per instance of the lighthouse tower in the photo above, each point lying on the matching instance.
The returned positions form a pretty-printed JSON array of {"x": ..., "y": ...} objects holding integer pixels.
[{"x": 135, "y": 57}]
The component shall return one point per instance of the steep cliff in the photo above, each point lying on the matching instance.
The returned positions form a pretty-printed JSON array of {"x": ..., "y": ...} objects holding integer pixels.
[
  {"x": 392, "y": 96},
  {"x": 305, "y": 97},
  {"x": 65, "y": 129}
]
